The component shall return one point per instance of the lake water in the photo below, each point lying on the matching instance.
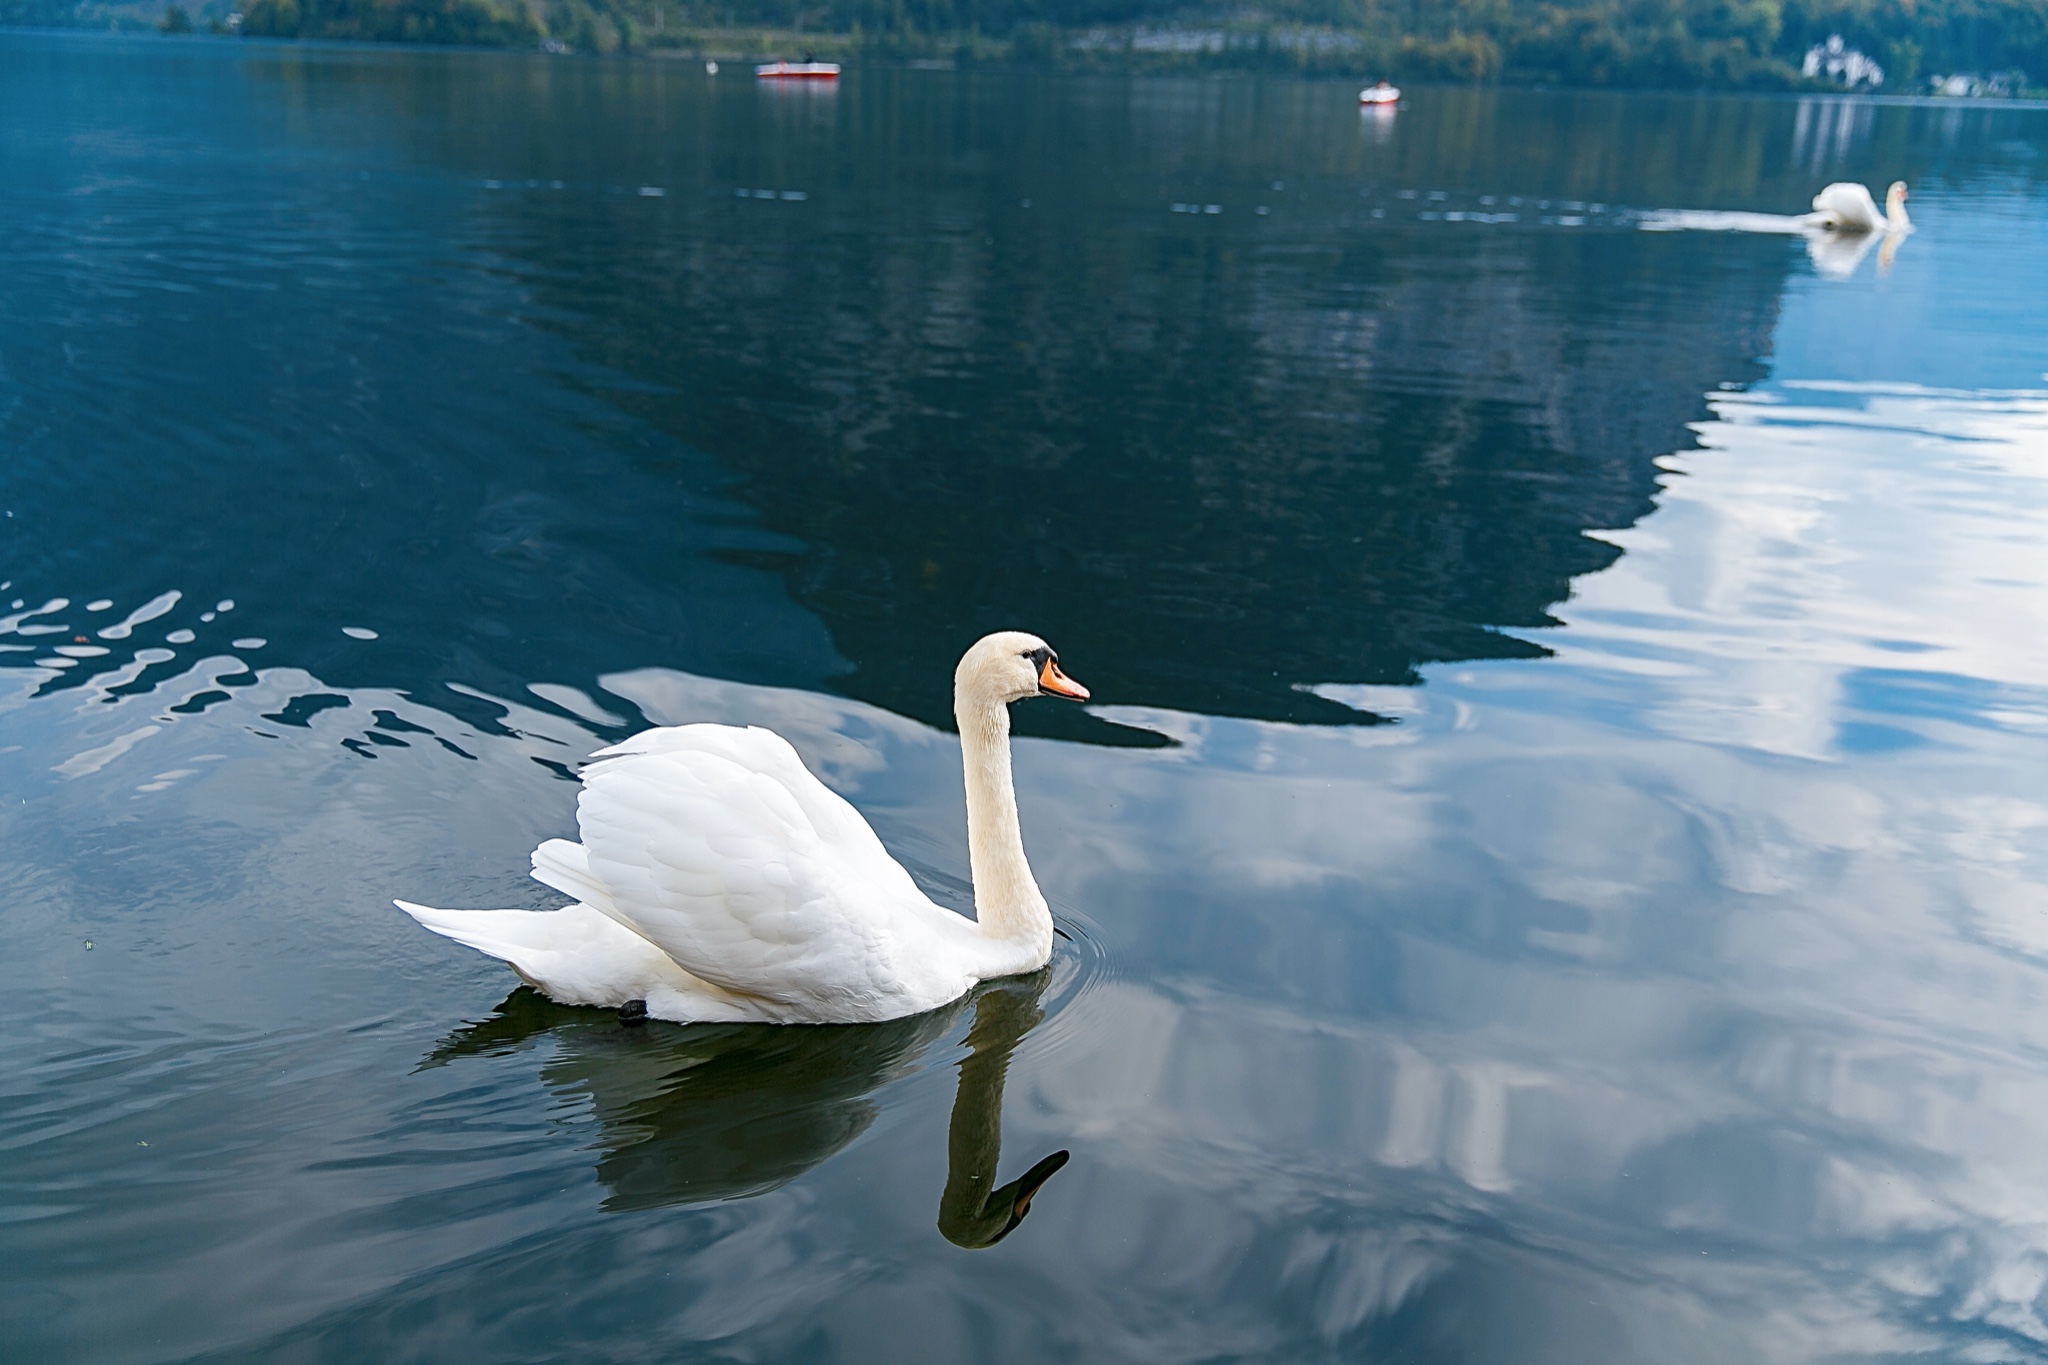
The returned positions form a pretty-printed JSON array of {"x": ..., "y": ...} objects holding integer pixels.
[{"x": 1557, "y": 870}]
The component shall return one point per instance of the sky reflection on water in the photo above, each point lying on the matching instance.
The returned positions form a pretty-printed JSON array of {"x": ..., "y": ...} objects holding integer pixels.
[{"x": 1665, "y": 982}]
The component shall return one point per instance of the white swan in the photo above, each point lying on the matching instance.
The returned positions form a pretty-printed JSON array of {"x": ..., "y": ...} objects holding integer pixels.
[
  {"x": 1847, "y": 207},
  {"x": 718, "y": 880}
]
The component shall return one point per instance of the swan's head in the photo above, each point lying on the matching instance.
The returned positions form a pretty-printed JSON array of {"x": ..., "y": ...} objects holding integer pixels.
[
  {"x": 1896, "y": 194},
  {"x": 1009, "y": 666}
]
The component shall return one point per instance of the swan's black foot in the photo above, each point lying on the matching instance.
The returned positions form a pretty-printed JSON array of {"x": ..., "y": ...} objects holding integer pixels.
[{"x": 633, "y": 1013}]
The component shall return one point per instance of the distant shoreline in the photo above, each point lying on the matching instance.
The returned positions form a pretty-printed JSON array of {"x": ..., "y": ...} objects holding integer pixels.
[{"x": 1099, "y": 50}]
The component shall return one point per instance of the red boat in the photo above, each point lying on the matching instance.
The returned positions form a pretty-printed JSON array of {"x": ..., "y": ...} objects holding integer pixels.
[{"x": 797, "y": 71}]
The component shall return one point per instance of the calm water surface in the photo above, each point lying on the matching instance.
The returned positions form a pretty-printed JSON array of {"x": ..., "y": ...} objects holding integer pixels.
[{"x": 1557, "y": 871}]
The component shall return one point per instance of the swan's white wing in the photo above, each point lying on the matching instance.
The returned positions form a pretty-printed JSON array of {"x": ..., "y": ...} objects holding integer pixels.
[
  {"x": 1848, "y": 205},
  {"x": 720, "y": 847},
  {"x": 764, "y": 751}
]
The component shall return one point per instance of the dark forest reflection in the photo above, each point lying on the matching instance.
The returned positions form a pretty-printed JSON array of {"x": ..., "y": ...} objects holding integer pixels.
[
  {"x": 1221, "y": 459},
  {"x": 983, "y": 377},
  {"x": 1216, "y": 459},
  {"x": 709, "y": 1112}
]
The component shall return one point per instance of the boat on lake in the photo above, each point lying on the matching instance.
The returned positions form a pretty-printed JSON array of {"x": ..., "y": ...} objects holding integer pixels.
[
  {"x": 1380, "y": 92},
  {"x": 797, "y": 71}
]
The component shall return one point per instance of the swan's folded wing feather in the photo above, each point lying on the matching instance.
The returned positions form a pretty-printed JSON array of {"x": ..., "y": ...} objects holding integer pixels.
[
  {"x": 719, "y": 846},
  {"x": 1847, "y": 204},
  {"x": 852, "y": 840},
  {"x": 565, "y": 866}
]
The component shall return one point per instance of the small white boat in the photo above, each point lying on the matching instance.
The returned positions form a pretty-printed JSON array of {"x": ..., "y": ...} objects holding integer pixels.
[
  {"x": 1380, "y": 93},
  {"x": 797, "y": 71}
]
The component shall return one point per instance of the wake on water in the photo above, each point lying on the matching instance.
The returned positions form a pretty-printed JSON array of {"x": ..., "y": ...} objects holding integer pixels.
[{"x": 1834, "y": 254}]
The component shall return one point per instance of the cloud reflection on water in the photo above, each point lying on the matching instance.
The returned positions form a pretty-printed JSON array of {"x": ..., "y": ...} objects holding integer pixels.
[{"x": 1818, "y": 1079}]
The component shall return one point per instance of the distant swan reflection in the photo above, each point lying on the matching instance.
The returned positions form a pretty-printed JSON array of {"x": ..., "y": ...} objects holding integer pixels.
[{"x": 710, "y": 1112}]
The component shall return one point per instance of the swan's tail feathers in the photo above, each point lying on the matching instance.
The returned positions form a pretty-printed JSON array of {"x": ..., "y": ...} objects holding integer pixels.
[
  {"x": 576, "y": 956},
  {"x": 504, "y": 934},
  {"x": 565, "y": 866}
]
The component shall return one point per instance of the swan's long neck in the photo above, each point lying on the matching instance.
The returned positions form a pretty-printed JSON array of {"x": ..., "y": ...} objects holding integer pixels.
[
  {"x": 972, "y": 1211},
  {"x": 1006, "y": 899},
  {"x": 1895, "y": 219}
]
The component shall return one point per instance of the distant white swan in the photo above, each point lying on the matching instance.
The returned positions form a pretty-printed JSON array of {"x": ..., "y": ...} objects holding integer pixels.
[
  {"x": 1843, "y": 228},
  {"x": 718, "y": 879},
  {"x": 1847, "y": 207}
]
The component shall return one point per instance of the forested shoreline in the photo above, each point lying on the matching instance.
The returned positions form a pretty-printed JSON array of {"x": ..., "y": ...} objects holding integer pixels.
[{"x": 1664, "y": 44}]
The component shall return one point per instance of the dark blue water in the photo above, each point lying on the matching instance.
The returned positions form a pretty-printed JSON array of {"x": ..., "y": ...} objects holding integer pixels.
[{"x": 1557, "y": 869}]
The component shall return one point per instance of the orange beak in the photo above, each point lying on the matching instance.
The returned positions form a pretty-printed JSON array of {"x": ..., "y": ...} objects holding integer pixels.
[{"x": 1055, "y": 683}]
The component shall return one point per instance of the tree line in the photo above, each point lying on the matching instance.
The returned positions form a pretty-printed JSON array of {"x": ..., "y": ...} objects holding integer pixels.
[{"x": 1666, "y": 44}]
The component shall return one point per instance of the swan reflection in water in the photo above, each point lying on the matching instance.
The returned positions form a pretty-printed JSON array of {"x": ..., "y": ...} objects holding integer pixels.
[{"x": 691, "y": 1114}]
